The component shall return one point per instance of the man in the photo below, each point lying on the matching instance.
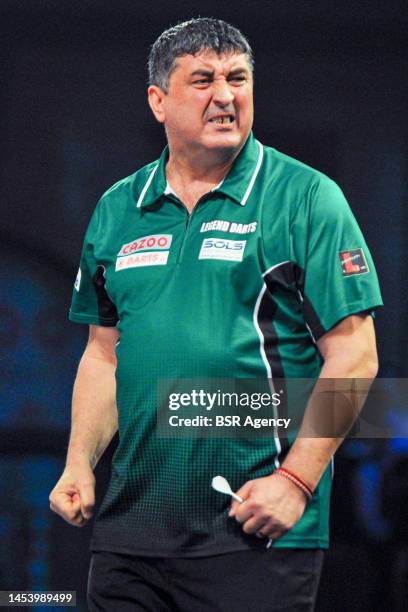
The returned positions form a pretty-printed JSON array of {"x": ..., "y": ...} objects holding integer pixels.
[{"x": 223, "y": 259}]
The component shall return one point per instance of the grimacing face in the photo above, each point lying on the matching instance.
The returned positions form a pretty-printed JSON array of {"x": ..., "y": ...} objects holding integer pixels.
[{"x": 209, "y": 104}]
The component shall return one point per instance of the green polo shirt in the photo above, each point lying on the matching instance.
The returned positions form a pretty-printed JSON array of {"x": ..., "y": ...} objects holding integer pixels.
[{"x": 266, "y": 263}]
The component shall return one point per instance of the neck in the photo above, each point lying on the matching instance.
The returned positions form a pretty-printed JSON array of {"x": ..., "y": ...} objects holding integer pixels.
[{"x": 186, "y": 169}]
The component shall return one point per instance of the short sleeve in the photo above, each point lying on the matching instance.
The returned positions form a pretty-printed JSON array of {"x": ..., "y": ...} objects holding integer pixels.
[
  {"x": 337, "y": 276},
  {"x": 90, "y": 302}
]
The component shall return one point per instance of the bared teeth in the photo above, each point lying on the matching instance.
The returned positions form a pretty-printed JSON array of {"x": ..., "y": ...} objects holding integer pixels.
[{"x": 222, "y": 120}]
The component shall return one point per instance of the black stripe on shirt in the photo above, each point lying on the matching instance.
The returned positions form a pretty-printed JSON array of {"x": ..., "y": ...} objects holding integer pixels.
[{"x": 106, "y": 308}]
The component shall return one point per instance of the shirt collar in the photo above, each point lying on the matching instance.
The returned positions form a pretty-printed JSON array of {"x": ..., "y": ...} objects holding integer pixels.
[{"x": 237, "y": 185}]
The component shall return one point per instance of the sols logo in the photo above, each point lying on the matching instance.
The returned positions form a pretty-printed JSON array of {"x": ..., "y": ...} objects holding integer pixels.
[
  {"x": 229, "y": 245},
  {"x": 155, "y": 242},
  {"x": 230, "y": 250}
]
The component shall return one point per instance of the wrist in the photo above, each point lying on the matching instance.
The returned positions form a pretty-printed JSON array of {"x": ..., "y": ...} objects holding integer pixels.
[
  {"x": 296, "y": 480},
  {"x": 79, "y": 460}
]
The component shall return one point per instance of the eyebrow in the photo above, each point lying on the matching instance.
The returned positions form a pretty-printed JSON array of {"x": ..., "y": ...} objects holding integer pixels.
[{"x": 210, "y": 73}]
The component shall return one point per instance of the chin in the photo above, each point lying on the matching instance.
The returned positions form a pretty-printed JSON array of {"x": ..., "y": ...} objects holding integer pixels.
[{"x": 224, "y": 141}]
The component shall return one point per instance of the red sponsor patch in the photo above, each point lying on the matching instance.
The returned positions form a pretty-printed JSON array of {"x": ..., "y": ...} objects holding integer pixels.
[
  {"x": 154, "y": 242},
  {"x": 353, "y": 262}
]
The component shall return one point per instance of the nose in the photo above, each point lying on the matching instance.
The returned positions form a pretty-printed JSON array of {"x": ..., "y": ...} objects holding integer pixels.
[{"x": 222, "y": 94}]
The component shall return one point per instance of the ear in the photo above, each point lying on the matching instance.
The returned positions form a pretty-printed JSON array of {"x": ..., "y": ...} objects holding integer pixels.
[{"x": 156, "y": 98}]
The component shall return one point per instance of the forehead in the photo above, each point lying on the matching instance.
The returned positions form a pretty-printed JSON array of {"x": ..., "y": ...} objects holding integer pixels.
[{"x": 211, "y": 61}]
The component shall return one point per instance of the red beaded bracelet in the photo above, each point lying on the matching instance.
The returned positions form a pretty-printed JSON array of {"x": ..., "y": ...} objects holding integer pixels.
[{"x": 296, "y": 480}]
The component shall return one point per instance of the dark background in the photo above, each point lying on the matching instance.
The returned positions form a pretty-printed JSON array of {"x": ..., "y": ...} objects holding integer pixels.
[{"x": 331, "y": 90}]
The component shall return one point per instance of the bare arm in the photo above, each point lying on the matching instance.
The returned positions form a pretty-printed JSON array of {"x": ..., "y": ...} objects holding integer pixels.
[
  {"x": 349, "y": 351},
  {"x": 274, "y": 504},
  {"x": 94, "y": 423}
]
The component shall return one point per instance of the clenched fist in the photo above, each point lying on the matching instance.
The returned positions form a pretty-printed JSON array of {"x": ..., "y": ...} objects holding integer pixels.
[
  {"x": 73, "y": 497},
  {"x": 271, "y": 506}
]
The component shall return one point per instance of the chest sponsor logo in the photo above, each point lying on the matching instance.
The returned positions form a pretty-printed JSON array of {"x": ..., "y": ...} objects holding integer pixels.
[
  {"x": 154, "y": 258},
  {"x": 150, "y": 250},
  {"x": 217, "y": 248},
  {"x": 353, "y": 262},
  {"x": 155, "y": 242},
  {"x": 228, "y": 226}
]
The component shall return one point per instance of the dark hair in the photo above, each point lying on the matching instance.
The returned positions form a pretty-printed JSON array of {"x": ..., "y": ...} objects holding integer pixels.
[{"x": 190, "y": 37}]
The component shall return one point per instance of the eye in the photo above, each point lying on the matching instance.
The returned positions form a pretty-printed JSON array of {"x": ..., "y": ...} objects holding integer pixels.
[
  {"x": 201, "y": 82},
  {"x": 237, "y": 80}
]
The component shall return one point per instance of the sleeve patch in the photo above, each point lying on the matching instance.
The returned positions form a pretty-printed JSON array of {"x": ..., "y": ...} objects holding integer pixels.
[
  {"x": 77, "y": 283},
  {"x": 353, "y": 262}
]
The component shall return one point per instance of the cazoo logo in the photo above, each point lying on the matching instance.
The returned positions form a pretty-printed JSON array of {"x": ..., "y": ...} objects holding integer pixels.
[
  {"x": 146, "y": 251},
  {"x": 155, "y": 242}
]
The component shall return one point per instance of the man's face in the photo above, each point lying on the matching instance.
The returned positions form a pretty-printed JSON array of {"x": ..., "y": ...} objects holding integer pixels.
[{"x": 209, "y": 104}]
